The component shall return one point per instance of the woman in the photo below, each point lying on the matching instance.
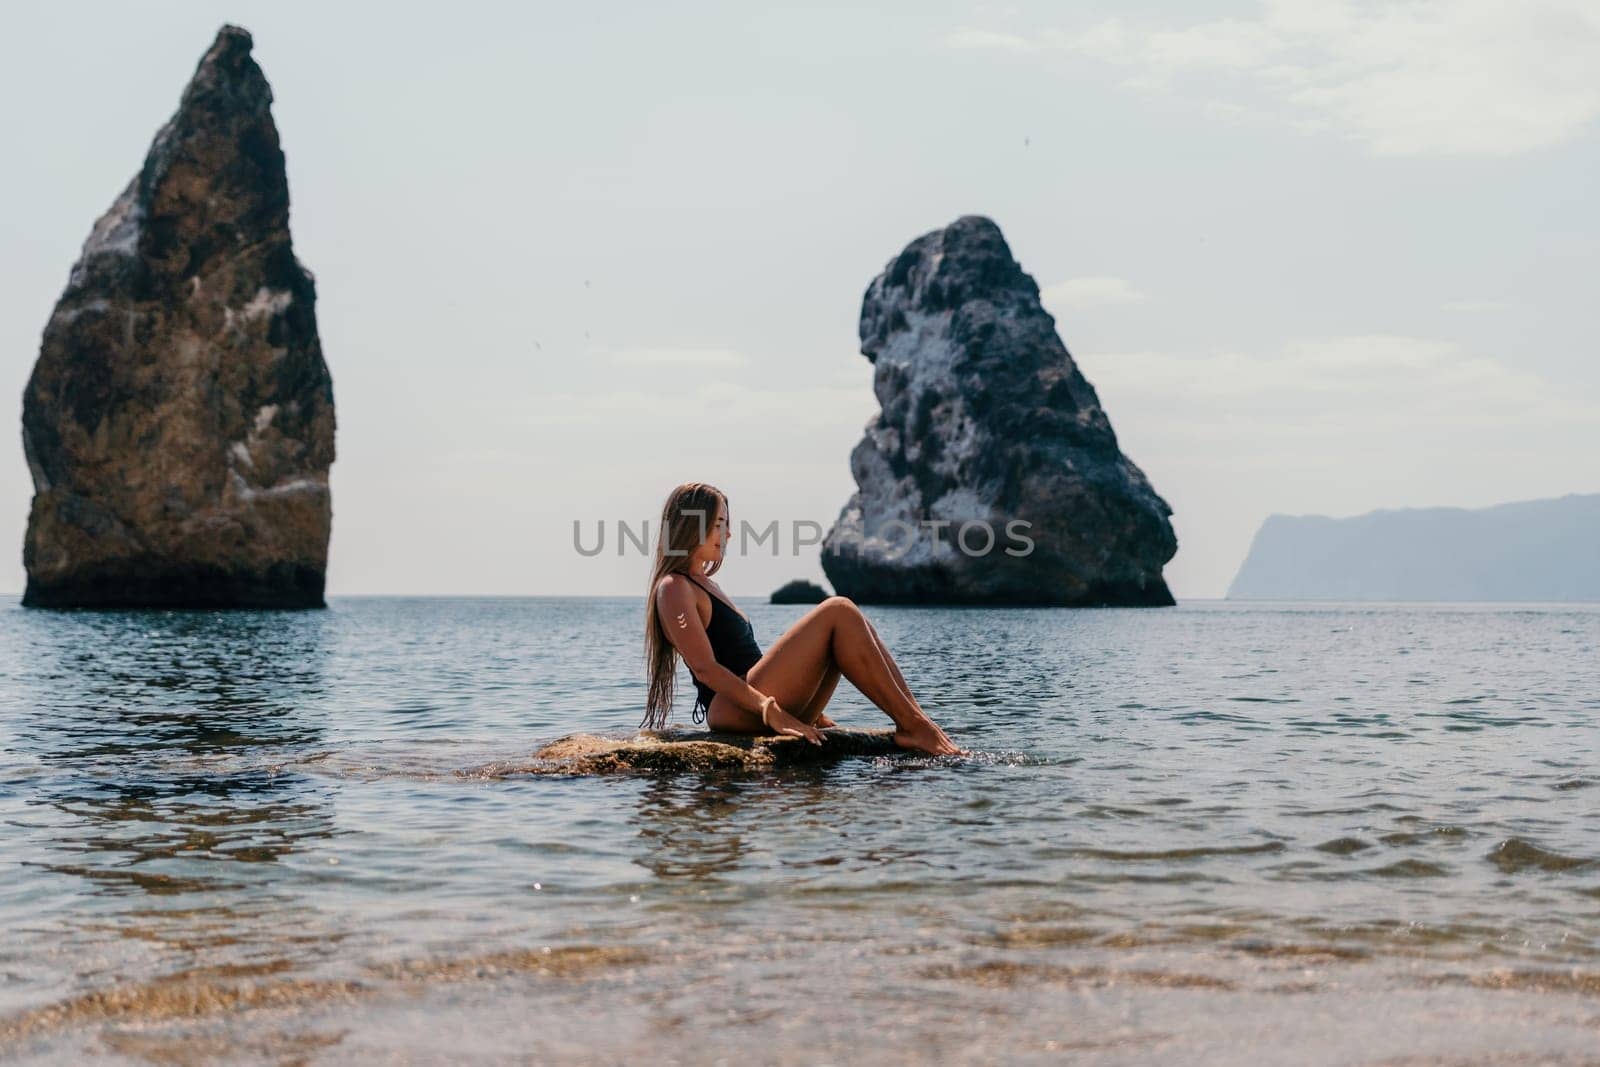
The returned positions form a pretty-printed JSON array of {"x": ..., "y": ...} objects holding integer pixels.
[{"x": 741, "y": 689}]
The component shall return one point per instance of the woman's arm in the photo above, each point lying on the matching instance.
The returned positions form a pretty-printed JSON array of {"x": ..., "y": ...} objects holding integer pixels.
[{"x": 681, "y": 619}]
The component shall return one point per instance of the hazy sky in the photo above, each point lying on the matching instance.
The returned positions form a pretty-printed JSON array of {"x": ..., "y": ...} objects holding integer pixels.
[{"x": 1315, "y": 256}]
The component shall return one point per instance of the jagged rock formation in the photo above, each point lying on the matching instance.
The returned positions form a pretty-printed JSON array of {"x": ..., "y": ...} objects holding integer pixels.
[
  {"x": 1531, "y": 550},
  {"x": 179, "y": 422},
  {"x": 685, "y": 750},
  {"x": 991, "y": 475},
  {"x": 799, "y": 591}
]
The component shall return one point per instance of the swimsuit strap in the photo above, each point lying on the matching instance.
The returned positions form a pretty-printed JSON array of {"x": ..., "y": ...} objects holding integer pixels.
[{"x": 715, "y": 599}]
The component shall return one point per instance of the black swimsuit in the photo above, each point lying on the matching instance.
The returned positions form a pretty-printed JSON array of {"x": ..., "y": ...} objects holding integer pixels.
[{"x": 733, "y": 643}]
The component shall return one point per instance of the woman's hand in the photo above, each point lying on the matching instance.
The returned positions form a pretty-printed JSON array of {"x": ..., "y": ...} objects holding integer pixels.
[{"x": 775, "y": 718}]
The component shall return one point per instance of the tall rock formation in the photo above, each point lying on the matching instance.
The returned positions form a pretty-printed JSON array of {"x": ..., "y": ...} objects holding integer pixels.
[
  {"x": 991, "y": 475},
  {"x": 179, "y": 422}
]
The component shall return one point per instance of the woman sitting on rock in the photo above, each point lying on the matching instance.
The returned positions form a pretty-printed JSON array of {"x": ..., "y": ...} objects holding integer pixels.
[{"x": 740, "y": 689}]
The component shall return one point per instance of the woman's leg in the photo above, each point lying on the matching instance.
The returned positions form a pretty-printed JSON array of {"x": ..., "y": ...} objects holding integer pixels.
[
  {"x": 812, "y": 712},
  {"x": 834, "y": 633},
  {"x": 894, "y": 668}
]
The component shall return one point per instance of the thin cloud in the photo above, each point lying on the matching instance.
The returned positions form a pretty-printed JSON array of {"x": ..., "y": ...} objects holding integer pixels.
[
  {"x": 678, "y": 357},
  {"x": 1334, "y": 386},
  {"x": 1078, "y": 293},
  {"x": 968, "y": 38},
  {"x": 1436, "y": 77},
  {"x": 716, "y": 404}
]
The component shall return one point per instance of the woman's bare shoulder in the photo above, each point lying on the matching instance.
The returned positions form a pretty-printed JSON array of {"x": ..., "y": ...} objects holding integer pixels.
[{"x": 671, "y": 584}]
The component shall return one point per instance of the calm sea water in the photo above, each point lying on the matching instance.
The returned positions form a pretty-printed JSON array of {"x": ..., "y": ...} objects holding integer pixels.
[{"x": 1342, "y": 832}]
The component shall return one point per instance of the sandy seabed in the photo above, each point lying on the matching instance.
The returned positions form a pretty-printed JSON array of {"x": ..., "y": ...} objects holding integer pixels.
[{"x": 817, "y": 1002}]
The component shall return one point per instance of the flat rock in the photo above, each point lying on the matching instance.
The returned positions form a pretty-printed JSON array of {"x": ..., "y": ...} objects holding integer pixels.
[
  {"x": 684, "y": 750},
  {"x": 991, "y": 474},
  {"x": 179, "y": 420}
]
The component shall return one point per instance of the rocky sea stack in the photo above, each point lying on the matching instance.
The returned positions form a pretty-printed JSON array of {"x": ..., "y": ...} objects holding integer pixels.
[
  {"x": 799, "y": 591},
  {"x": 987, "y": 430},
  {"x": 179, "y": 423}
]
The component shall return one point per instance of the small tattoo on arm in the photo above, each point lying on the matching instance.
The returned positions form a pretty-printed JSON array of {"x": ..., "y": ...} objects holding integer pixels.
[{"x": 683, "y": 621}]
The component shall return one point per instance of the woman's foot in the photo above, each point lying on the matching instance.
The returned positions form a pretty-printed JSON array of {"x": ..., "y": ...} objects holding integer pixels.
[
  {"x": 822, "y": 721},
  {"x": 924, "y": 736}
]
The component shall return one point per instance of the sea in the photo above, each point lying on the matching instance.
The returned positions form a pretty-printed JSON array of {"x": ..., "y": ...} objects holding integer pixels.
[{"x": 1221, "y": 833}]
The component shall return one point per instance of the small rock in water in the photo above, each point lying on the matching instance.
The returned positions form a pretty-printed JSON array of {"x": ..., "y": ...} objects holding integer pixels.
[{"x": 799, "y": 591}]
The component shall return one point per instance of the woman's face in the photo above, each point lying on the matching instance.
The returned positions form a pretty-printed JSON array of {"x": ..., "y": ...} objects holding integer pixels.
[
  {"x": 716, "y": 542},
  {"x": 720, "y": 531}
]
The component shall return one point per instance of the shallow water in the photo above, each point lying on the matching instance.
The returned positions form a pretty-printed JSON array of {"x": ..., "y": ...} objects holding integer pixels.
[{"x": 1357, "y": 832}]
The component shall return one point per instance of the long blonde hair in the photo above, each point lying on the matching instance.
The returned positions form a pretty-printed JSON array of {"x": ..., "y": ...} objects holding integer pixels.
[{"x": 686, "y": 521}]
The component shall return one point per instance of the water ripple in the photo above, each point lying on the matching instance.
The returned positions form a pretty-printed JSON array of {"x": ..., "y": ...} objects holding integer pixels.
[{"x": 1247, "y": 786}]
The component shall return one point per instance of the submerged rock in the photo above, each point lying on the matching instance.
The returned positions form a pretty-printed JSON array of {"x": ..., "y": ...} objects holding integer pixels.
[
  {"x": 179, "y": 422},
  {"x": 681, "y": 750},
  {"x": 799, "y": 591},
  {"x": 991, "y": 474}
]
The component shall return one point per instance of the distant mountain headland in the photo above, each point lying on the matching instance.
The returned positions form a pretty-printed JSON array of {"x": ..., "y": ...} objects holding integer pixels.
[
  {"x": 991, "y": 475},
  {"x": 1531, "y": 550}
]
